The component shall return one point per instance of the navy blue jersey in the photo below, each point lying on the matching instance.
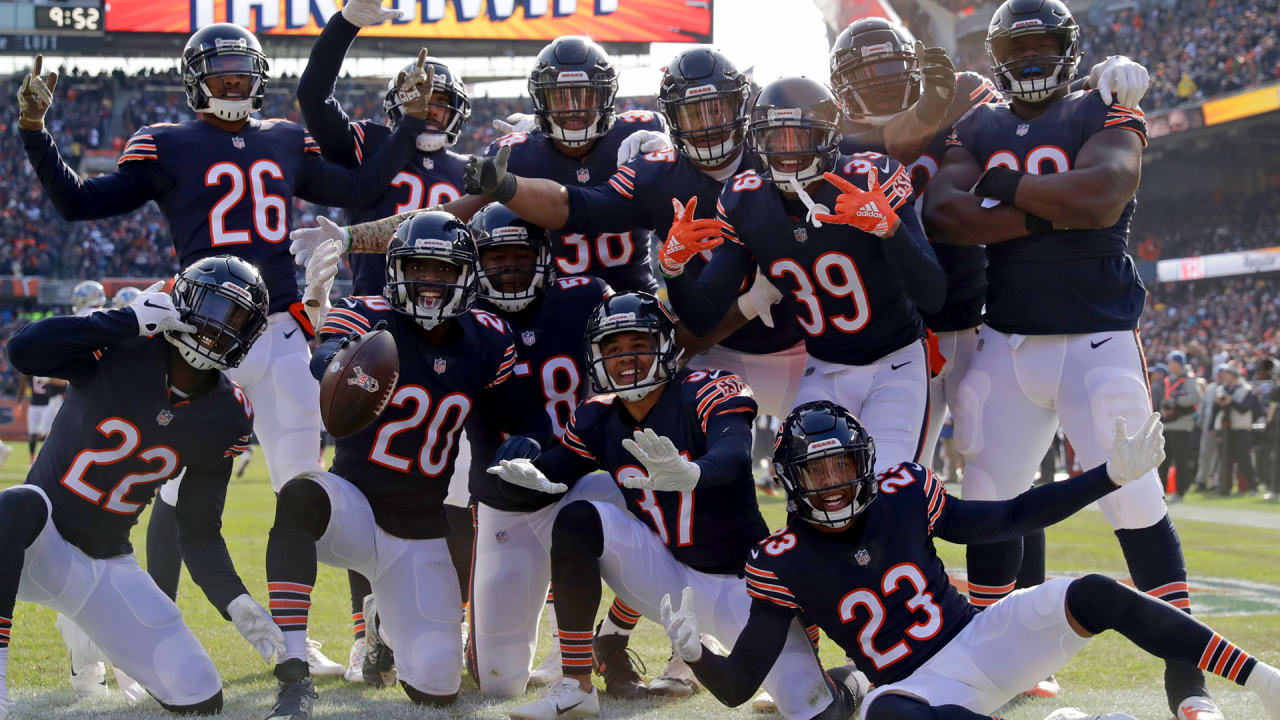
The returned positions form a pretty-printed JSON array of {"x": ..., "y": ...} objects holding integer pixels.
[
  {"x": 847, "y": 288},
  {"x": 551, "y": 373},
  {"x": 881, "y": 594},
  {"x": 122, "y": 433},
  {"x": 709, "y": 528},
  {"x": 620, "y": 257},
  {"x": 1059, "y": 282},
  {"x": 402, "y": 462},
  {"x": 965, "y": 265},
  {"x": 221, "y": 192},
  {"x": 639, "y": 195}
]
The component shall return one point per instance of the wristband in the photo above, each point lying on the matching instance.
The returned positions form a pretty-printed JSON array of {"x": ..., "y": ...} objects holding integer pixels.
[{"x": 999, "y": 183}]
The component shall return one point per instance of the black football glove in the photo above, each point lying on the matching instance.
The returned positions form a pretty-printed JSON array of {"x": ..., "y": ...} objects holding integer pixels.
[
  {"x": 488, "y": 176},
  {"x": 939, "y": 84},
  {"x": 517, "y": 447}
]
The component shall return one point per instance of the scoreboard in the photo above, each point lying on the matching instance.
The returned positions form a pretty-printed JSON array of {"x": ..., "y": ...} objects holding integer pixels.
[{"x": 52, "y": 17}]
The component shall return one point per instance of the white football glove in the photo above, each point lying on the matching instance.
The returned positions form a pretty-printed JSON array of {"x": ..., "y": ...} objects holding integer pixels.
[
  {"x": 1119, "y": 79},
  {"x": 666, "y": 468},
  {"x": 156, "y": 314},
  {"x": 363, "y": 13},
  {"x": 322, "y": 268},
  {"x": 682, "y": 626},
  {"x": 758, "y": 302},
  {"x": 304, "y": 241},
  {"x": 256, "y": 625},
  {"x": 1133, "y": 457},
  {"x": 516, "y": 123},
  {"x": 642, "y": 141},
  {"x": 521, "y": 472}
]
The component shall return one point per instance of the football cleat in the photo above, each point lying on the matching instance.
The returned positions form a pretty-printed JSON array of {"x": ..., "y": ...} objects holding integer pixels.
[
  {"x": 1047, "y": 688},
  {"x": 294, "y": 691},
  {"x": 613, "y": 663},
  {"x": 355, "y": 663},
  {"x": 548, "y": 671},
  {"x": 88, "y": 672},
  {"x": 676, "y": 681},
  {"x": 1074, "y": 714},
  {"x": 379, "y": 666},
  {"x": 1198, "y": 707},
  {"x": 133, "y": 692},
  {"x": 764, "y": 703},
  {"x": 563, "y": 699},
  {"x": 853, "y": 680},
  {"x": 320, "y": 665}
]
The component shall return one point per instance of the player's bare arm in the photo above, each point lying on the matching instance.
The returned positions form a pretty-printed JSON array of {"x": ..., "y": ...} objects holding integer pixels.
[
  {"x": 952, "y": 214},
  {"x": 1095, "y": 193}
]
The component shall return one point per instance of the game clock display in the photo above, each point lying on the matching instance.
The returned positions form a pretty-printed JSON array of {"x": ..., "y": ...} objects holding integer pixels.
[{"x": 81, "y": 17}]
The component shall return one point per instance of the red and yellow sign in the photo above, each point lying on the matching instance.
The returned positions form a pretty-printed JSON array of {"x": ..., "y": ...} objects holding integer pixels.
[{"x": 603, "y": 20}]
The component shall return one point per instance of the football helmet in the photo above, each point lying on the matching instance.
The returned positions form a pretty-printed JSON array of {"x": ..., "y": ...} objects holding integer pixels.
[
  {"x": 124, "y": 296},
  {"x": 632, "y": 312},
  {"x": 456, "y": 103},
  {"x": 225, "y": 299},
  {"x": 87, "y": 294},
  {"x": 794, "y": 131},
  {"x": 223, "y": 49},
  {"x": 434, "y": 235},
  {"x": 825, "y": 460},
  {"x": 1033, "y": 79},
  {"x": 495, "y": 225},
  {"x": 574, "y": 82},
  {"x": 704, "y": 99},
  {"x": 875, "y": 72}
]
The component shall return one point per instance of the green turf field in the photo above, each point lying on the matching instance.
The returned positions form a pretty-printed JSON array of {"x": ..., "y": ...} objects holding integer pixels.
[{"x": 1226, "y": 561}]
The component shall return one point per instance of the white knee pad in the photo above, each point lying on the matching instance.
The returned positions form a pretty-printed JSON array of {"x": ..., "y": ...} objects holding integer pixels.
[
  {"x": 1113, "y": 392},
  {"x": 970, "y": 396}
]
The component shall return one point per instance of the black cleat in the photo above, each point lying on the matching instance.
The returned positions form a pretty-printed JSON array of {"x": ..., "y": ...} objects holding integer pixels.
[
  {"x": 379, "y": 667},
  {"x": 613, "y": 662},
  {"x": 295, "y": 691}
]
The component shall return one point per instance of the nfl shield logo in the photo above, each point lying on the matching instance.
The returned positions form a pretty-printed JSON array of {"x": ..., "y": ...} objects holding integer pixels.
[
  {"x": 238, "y": 142},
  {"x": 863, "y": 557},
  {"x": 428, "y": 163},
  {"x": 1023, "y": 129},
  {"x": 164, "y": 418},
  {"x": 501, "y": 536},
  {"x": 583, "y": 174},
  {"x": 802, "y": 234},
  {"x": 980, "y": 342},
  {"x": 440, "y": 366},
  {"x": 528, "y": 338}
]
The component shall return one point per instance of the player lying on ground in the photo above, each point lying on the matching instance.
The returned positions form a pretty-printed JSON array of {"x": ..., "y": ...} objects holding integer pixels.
[
  {"x": 138, "y": 409},
  {"x": 690, "y": 514},
  {"x": 857, "y": 558}
]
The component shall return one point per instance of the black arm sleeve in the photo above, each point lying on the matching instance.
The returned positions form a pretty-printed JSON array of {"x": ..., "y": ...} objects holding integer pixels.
[
  {"x": 734, "y": 679},
  {"x": 63, "y": 346},
  {"x": 75, "y": 198},
  {"x": 324, "y": 183},
  {"x": 702, "y": 303},
  {"x": 728, "y": 457},
  {"x": 323, "y": 354},
  {"x": 562, "y": 465},
  {"x": 201, "y": 496},
  {"x": 976, "y": 521},
  {"x": 599, "y": 208},
  {"x": 321, "y": 112},
  {"x": 923, "y": 279}
]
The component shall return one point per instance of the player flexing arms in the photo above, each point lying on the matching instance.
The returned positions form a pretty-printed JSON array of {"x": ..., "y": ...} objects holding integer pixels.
[
  {"x": 857, "y": 557},
  {"x": 703, "y": 98},
  {"x": 138, "y": 409},
  {"x": 379, "y": 511},
  {"x": 855, "y": 277},
  {"x": 691, "y": 500},
  {"x": 1054, "y": 175}
]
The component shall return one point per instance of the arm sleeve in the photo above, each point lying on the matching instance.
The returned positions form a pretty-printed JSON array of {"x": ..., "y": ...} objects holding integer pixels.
[
  {"x": 201, "y": 497},
  {"x": 323, "y": 354},
  {"x": 324, "y": 183},
  {"x": 75, "y": 198},
  {"x": 728, "y": 457},
  {"x": 608, "y": 206},
  {"x": 734, "y": 679},
  {"x": 973, "y": 521},
  {"x": 321, "y": 112},
  {"x": 702, "y": 302},
  {"x": 65, "y": 346}
]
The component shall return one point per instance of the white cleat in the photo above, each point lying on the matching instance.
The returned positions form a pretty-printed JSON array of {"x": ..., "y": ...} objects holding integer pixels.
[
  {"x": 355, "y": 663},
  {"x": 1198, "y": 707},
  {"x": 88, "y": 672},
  {"x": 764, "y": 703},
  {"x": 563, "y": 699},
  {"x": 1074, "y": 714},
  {"x": 548, "y": 671},
  {"x": 133, "y": 692},
  {"x": 320, "y": 665},
  {"x": 1270, "y": 692}
]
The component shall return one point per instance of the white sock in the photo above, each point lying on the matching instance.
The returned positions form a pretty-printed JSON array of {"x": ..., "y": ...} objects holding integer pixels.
[
  {"x": 608, "y": 627},
  {"x": 4, "y": 670},
  {"x": 295, "y": 646},
  {"x": 1264, "y": 680}
]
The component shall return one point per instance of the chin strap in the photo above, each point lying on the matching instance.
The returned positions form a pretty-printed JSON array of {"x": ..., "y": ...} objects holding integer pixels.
[{"x": 431, "y": 142}]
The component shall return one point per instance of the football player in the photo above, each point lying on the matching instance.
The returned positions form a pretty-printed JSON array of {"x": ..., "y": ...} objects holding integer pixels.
[
  {"x": 87, "y": 296},
  {"x": 379, "y": 510},
  {"x": 138, "y": 409},
  {"x": 855, "y": 276},
  {"x": 124, "y": 296},
  {"x": 432, "y": 175},
  {"x": 46, "y": 399},
  {"x": 703, "y": 98},
  {"x": 690, "y": 512},
  {"x": 1047, "y": 182},
  {"x": 857, "y": 557}
]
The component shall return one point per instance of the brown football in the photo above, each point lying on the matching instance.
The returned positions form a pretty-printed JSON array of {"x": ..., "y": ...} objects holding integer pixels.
[{"x": 358, "y": 383}]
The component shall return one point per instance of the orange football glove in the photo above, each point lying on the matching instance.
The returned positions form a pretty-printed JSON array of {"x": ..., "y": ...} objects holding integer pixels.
[
  {"x": 868, "y": 210},
  {"x": 688, "y": 237}
]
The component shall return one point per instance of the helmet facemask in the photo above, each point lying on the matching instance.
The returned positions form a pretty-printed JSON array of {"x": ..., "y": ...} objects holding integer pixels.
[
  {"x": 226, "y": 319},
  {"x": 659, "y": 354},
  {"x": 1036, "y": 78},
  {"x": 793, "y": 149},
  {"x": 877, "y": 83},
  {"x": 573, "y": 109},
  {"x": 222, "y": 62},
  {"x": 709, "y": 126},
  {"x": 494, "y": 279},
  {"x": 448, "y": 109},
  {"x": 832, "y": 483},
  {"x": 430, "y": 288}
]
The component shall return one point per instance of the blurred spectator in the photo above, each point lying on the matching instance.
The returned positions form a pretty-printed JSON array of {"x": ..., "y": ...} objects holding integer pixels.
[
  {"x": 1177, "y": 409},
  {"x": 1235, "y": 404}
]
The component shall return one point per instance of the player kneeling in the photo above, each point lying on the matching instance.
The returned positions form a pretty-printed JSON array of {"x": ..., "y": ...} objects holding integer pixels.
[
  {"x": 679, "y": 443},
  {"x": 380, "y": 511},
  {"x": 857, "y": 558},
  {"x": 138, "y": 410}
]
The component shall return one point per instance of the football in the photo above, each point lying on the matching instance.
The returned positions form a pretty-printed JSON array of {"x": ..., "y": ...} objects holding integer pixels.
[{"x": 358, "y": 383}]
